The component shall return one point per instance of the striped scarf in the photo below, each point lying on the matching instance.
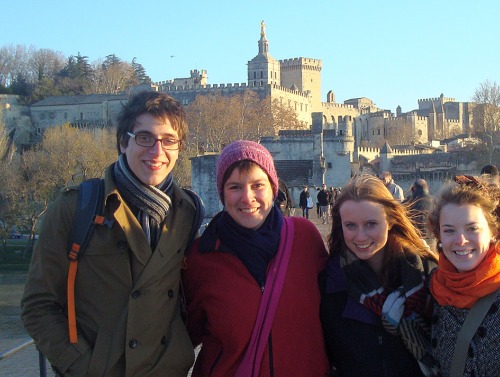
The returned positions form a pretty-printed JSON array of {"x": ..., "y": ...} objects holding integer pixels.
[
  {"x": 149, "y": 203},
  {"x": 402, "y": 311}
]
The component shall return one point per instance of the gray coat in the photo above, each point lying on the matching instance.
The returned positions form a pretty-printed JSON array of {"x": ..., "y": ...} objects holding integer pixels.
[
  {"x": 483, "y": 358},
  {"x": 127, "y": 301}
]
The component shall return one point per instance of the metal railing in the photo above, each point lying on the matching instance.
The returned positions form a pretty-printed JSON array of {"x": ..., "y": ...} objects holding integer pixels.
[{"x": 42, "y": 362}]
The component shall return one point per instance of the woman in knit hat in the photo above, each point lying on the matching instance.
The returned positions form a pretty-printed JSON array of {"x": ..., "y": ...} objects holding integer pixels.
[
  {"x": 467, "y": 225},
  {"x": 251, "y": 279}
]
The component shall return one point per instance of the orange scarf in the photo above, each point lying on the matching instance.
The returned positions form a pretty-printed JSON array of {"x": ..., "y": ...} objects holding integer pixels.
[{"x": 463, "y": 289}]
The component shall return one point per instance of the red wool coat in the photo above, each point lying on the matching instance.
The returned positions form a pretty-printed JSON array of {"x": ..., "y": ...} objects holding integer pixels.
[{"x": 223, "y": 300}]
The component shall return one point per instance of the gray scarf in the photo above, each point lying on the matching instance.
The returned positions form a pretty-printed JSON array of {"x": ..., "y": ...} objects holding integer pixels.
[{"x": 149, "y": 203}]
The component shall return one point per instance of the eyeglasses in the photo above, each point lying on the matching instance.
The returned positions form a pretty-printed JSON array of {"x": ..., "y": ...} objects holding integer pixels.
[{"x": 147, "y": 140}]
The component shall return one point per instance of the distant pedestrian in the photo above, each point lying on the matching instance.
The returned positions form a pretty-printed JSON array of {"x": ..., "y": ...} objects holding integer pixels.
[
  {"x": 323, "y": 202},
  {"x": 491, "y": 174},
  {"x": 395, "y": 190},
  {"x": 420, "y": 203},
  {"x": 304, "y": 200}
]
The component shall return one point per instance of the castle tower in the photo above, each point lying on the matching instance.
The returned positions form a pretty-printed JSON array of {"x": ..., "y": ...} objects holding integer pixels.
[
  {"x": 263, "y": 69},
  {"x": 305, "y": 74}
]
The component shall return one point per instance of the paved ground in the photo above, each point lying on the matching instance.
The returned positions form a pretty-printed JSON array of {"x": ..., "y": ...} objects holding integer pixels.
[{"x": 25, "y": 363}]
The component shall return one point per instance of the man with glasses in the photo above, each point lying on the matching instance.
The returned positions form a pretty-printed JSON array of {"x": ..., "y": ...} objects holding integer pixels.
[{"x": 126, "y": 296}]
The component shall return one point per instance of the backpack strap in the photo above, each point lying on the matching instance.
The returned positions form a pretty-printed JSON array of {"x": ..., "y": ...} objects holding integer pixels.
[
  {"x": 198, "y": 217},
  {"x": 90, "y": 201}
]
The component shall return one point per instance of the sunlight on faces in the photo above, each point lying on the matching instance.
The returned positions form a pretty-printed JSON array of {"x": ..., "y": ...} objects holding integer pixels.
[
  {"x": 151, "y": 164},
  {"x": 248, "y": 197},
  {"x": 465, "y": 235},
  {"x": 365, "y": 229}
]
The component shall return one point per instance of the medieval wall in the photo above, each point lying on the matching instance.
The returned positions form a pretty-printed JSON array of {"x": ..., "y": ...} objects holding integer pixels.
[{"x": 102, "y": 112}]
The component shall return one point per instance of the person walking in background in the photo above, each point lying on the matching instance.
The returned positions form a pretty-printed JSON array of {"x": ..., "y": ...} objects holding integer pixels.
[
  {"x": 376, "y": 306},
  {"x": 490, "y": 173},
  {"x": 331, "y": 200},
  {"x": 323, "y": 202},
  {"x": 466, "y": 222},
  {"x": 128, "y": 321},
  {"x": 395, "y": 190},
  {"x": 251, "y": 279},
  {"x": 304, "y": 200},
  {"x": 420, "y": 203},
  {"x": 318, "y": 207}
]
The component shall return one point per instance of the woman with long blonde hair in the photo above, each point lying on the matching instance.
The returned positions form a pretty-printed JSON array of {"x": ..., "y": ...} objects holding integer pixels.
[{"x": 376, "y": 306}]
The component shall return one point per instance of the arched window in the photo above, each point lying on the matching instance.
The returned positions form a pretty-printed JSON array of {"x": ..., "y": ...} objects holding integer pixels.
[
  {"x": 255, "y": 75},
  {"x": 261, "y": 74}
]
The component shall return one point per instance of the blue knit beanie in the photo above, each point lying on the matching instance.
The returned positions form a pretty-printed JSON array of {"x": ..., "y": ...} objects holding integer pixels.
[{"x": 246, "y": 150}]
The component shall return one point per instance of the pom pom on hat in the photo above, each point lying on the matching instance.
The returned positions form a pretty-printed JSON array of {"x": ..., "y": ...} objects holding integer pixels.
[{"x": 246, "y": 150}]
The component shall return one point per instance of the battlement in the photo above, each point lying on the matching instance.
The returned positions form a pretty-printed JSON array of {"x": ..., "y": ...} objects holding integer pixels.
[
  {"x": 301, "y": 62},
  {"x": 380, "y": 114},
  {"x": 406, "y": 152},
  {"x": 288, "y": 90},
  {"x": 368, "y": 150},
  {"x": 168, "y": 87},
  {"x": 336, "y": 105},
  {"x": 411, "y": 116},
  {"x": 443, "y": 99}
]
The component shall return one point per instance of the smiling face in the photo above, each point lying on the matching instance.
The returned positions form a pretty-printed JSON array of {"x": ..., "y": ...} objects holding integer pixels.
[
  {"x": 365, "y": 229},
  {"x": 151, "y": 164},
  {"x": 465, "y": 235},
  {"x": 248, "y": 197}
]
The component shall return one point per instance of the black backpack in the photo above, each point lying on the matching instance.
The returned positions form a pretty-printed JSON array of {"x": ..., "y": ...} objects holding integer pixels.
[{"x": 90, "y": 201}]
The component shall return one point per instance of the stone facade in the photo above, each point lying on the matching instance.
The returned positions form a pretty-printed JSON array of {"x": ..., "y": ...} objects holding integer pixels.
[
  {"x": 325, "y": 155},
  {"x": 96, "y": 110}
]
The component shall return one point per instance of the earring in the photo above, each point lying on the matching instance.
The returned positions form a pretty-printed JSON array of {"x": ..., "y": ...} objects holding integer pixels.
[{"x": 440, "y": 245}]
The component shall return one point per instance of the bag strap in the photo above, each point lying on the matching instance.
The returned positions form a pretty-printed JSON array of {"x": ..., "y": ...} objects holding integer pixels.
[
  {"x": 198, "y": 216},
  {"x": 472, "y": 321},
  {"x": 250, "y": 364},
  {"x": 90, "y": 200}
]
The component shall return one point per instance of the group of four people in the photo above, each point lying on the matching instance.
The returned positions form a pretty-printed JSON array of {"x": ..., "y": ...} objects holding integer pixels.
[{"x": 261, "y": 293}]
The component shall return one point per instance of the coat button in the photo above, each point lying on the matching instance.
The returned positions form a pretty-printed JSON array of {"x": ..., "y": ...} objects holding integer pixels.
[
  {"x": 136, "y": 294},
  {"x": 435, "y": 319},
  {"x": 493, "y": 309},
  {"x": 470, "y": 352},
  {"x": 163, "y": 339},
  {"x": 481, "y": 331},
  {"x": 133, "y": 343},
  {"x": 434, "y": 342},
  {"x": 122, "y": 245},
  {"x": 170, "y": 293}
]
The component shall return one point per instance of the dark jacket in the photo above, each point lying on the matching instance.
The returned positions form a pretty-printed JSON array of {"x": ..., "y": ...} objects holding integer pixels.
[
  {"x": 303, "y": 198},
  {"x": 420, "y": 204},
  {"x": 323, "y": 197},
  {"x": 127, "y": 302},
  {"x": 356, "y": 342}
]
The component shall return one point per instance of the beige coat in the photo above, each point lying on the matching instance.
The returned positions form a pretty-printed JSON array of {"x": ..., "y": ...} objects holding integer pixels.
[{"x": 127, "y": 301}]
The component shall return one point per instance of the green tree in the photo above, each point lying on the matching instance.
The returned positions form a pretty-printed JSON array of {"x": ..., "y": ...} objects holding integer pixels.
[{"x": 140, "y": 73}]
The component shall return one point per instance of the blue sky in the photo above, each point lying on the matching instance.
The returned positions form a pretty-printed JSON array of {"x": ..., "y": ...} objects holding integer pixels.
[{"x": 393, "y": 52}]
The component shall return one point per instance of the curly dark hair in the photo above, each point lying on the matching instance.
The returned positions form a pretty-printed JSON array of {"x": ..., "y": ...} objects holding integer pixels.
[{"x": 159, "y": 105}]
